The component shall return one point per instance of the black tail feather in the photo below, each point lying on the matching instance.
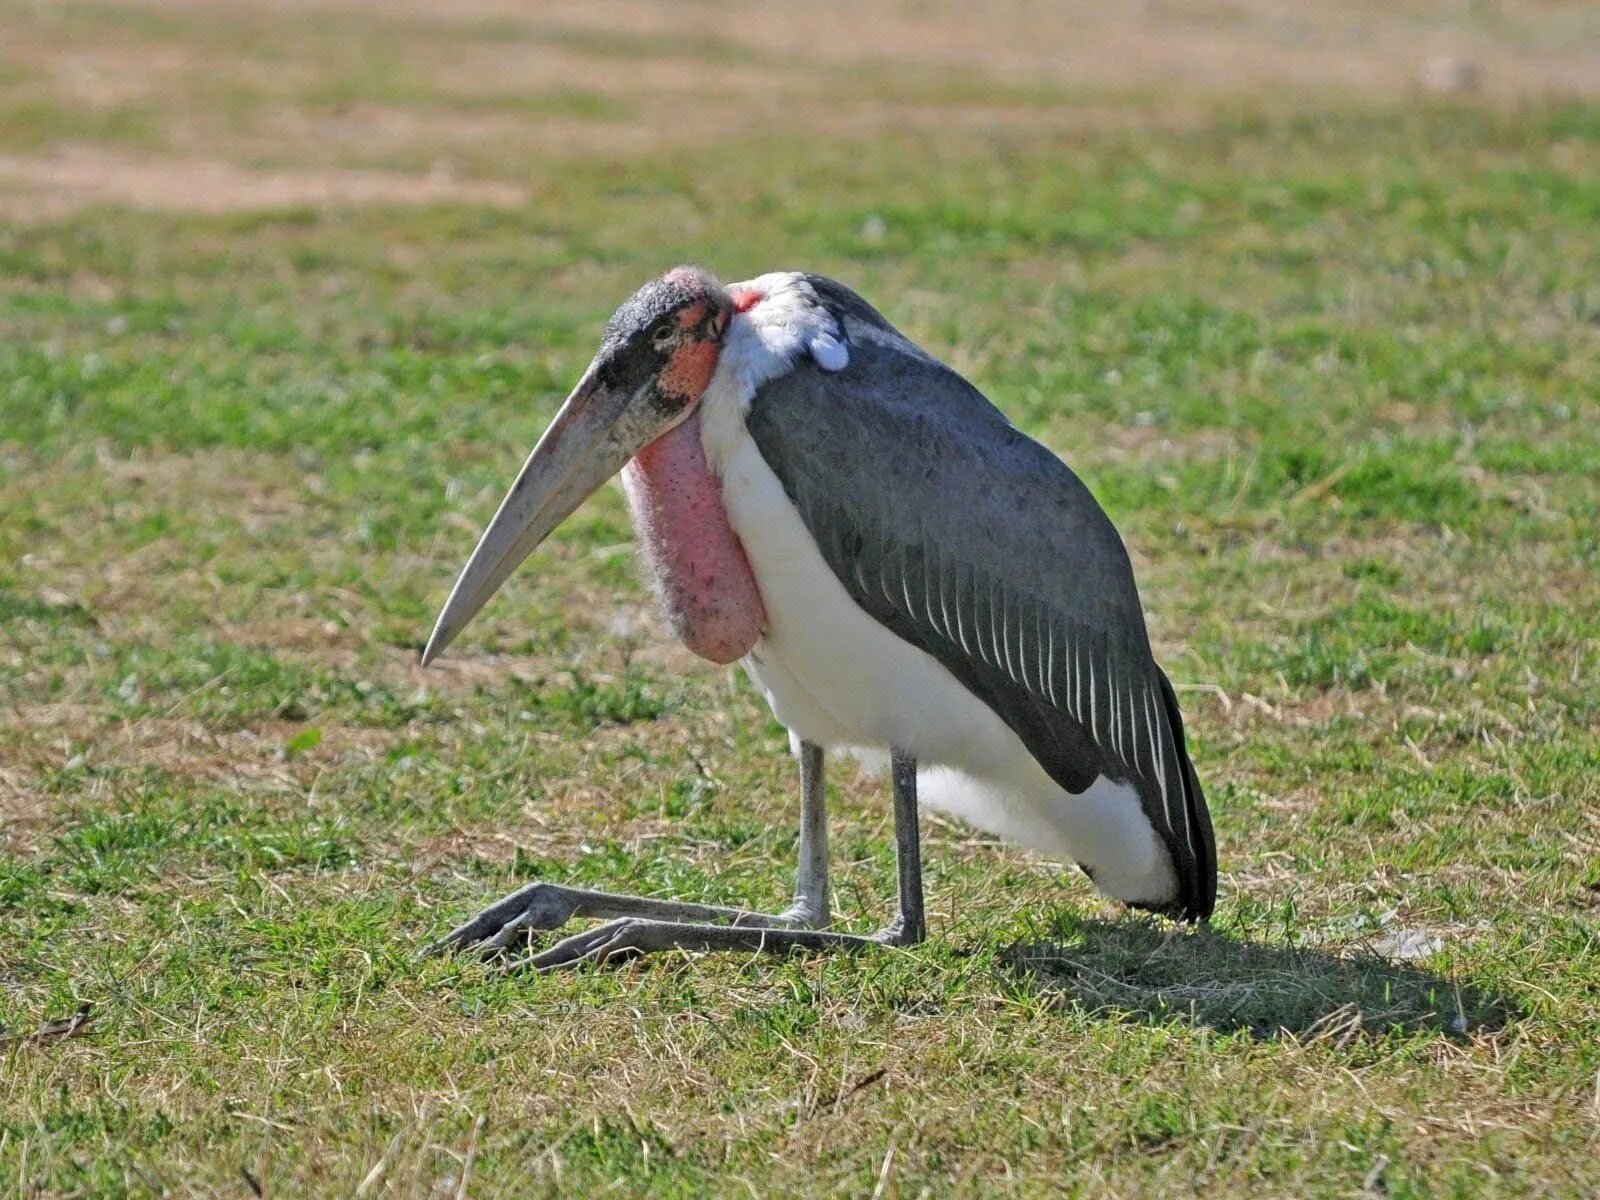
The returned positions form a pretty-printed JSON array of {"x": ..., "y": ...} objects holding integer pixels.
[{"x": 1197, "y": 878}]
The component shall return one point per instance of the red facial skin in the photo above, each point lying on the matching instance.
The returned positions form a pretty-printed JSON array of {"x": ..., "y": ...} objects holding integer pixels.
[
  {"x": 692, "y": 364},
  {"x": 700, "y": 569}
]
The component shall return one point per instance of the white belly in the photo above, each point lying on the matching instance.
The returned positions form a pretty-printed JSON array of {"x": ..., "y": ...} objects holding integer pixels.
[{"x": 836, "y": 677}]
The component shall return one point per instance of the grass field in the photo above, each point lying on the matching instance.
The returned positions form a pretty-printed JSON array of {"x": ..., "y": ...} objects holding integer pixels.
[{"x": 1311, "y": 300}]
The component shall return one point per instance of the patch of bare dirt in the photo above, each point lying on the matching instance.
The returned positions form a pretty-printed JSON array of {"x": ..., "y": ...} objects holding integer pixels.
[
  {"x": 85, "y": 175},
  {"x": 21, "y": 810}
]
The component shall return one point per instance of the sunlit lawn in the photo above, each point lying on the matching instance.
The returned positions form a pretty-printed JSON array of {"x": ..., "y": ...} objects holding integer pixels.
[{"x": 1333, "y": 371}]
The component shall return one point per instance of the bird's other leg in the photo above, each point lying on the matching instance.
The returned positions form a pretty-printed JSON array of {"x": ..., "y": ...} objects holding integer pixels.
[
  {"x": 514, "y": 919},
  {"x": 910, "y": 924},
  {"x": 628, "y": 937}
]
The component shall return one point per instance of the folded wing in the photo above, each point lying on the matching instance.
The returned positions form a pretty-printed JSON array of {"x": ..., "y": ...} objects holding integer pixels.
[{"x": 976, "y": 544}]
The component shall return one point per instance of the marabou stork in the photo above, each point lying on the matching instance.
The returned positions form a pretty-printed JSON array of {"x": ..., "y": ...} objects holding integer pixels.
[{"x": 902, "y": 572}]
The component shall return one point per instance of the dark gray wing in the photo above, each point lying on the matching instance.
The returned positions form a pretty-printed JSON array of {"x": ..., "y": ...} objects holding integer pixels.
[{"x": 974, "y": 543}]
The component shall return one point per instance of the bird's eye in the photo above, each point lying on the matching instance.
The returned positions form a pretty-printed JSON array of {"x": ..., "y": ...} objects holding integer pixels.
[{"x": 661, "y": 334}]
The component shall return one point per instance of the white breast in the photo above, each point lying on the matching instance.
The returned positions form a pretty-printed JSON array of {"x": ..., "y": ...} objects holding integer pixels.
[{"x": 835, "y": 676}]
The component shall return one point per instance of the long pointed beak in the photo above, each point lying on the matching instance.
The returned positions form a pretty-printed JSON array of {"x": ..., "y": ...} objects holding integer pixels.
[{"x": 594, "y": 434}]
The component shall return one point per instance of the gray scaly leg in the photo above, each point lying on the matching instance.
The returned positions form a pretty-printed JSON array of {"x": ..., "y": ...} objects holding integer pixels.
[
  {"x": 811, "y": 908},
  {"x": 515, "y": 919},
  {"x": 910, "y": 925}
]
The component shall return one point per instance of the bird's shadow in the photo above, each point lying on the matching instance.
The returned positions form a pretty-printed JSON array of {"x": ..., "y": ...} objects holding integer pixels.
[{"x": 1136, "y": 970}]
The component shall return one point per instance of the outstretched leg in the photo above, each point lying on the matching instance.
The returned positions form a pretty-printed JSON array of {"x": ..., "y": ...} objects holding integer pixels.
[
  {"x": 539, "y": 906},
  {"x": 631, "y": 936}
]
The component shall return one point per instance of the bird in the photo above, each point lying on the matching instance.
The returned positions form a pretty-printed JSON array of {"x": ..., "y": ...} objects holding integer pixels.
[{"x": 905, "y": 576}]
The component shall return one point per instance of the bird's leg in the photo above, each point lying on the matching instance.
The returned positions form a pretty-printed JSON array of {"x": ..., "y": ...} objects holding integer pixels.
[
  {"x": 811, "y": 909},
  {"x": 632, "y": 936},
  {"x": 540, "y": 906},
  {"x": 909, "y": 925}
]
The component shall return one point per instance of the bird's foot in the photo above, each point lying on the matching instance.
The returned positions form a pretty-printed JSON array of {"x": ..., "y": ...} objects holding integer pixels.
[
  {"x": 901, "y": 931},
  {"x": 630, "y": 937},
  {"x": 516, "y": 919}
]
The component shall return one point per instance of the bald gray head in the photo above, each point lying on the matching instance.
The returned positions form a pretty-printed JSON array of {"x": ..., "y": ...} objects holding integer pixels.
[
  {"x": 666, "y": 338},
  {"x": 656, "y": 357}
]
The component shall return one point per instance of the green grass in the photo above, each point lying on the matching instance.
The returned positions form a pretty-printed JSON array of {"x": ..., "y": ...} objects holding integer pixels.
[{"x": 1332, "y": 367}]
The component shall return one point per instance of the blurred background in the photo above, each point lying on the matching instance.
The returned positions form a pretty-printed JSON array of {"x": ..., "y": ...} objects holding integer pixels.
[
  {"x": 214, "y": 107},
  {"x": 1308, "y": 293}
]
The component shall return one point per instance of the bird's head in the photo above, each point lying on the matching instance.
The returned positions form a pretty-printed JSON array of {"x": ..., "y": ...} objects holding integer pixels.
[{"x": 658, "y": 354}]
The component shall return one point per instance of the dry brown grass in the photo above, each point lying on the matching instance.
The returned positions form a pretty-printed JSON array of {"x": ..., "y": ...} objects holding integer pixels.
[{"x": 66, "y": 179}]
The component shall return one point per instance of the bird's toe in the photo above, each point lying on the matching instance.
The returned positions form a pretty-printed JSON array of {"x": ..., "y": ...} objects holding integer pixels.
[
  {"x": 598, "y": 945},
  {"x": 508, "y": 922}
]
